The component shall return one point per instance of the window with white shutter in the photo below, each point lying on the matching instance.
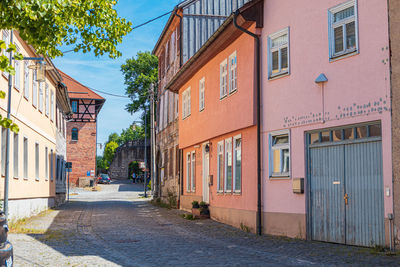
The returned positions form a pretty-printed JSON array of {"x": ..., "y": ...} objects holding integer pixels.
[
  {"x": 41, "y": 96},
  {"x": 201, "y": 94},
  {"x": 223, "y": 69},
  {"x": 34, "y": 89},
  {"x": 47, "y": 100},
  {"x": 17, "y": 76},
  {"x": 26, "y": 79},
  {"x": 232, "y": 73}
]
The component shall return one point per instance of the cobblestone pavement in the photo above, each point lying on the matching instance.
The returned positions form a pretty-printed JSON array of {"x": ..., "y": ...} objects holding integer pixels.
[{"x": 115, "y": 227}]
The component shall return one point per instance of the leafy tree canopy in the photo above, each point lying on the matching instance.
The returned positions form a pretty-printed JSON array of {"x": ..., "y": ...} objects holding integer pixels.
[
  {"x": 49, "y": 24},
  {"x": 109, "y": 152},
  {"x": 139, "y": 74}
]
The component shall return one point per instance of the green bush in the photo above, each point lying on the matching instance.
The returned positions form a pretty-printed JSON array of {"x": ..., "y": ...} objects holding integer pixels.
[
  {"x": 203, "y": 205},
  {"x": 195, "y": 204}
]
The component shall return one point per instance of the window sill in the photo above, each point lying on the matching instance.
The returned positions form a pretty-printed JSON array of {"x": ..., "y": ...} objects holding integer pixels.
[
  {"x": 280, "y": 177},
  {"x": 201, "y": 110},
  {"x": 25, "y": 179},
  {"x": 37, "y": 179},
  {"x": 233, "y": 92},
  {"x": 26, "y": 98},
  {"x": 15, "y": 178},
  {"x": 278, "y": 75},
  {"x": 74, "y": 141},
  {"x": 16, "y": 88},
  {"x": 184, "y": 118},
  {"x": 222, "y": 98},
  {"x": 343, "y": 55}
]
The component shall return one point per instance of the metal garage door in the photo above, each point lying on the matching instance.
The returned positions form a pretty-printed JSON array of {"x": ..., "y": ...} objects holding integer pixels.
[{"x": 346, "y": 185}]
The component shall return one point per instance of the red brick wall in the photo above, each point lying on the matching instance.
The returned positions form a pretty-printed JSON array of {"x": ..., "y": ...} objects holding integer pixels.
[{"x": 81, "y": 153}]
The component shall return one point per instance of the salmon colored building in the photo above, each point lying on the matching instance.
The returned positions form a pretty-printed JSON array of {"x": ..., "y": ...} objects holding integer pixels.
[{"x": 217, "y": 124}]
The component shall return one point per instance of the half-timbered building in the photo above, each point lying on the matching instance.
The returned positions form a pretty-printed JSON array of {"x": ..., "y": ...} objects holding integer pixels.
[{"x": 82, "y": 129}]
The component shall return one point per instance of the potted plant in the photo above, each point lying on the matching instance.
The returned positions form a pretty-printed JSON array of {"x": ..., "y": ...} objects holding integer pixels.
[{"x": 200, "y": 210}]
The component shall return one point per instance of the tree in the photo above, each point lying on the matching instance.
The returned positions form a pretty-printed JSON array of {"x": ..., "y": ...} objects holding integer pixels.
[
  {"x": 101, "y": 164},
  {"x": 139, "y": 74},
  {"x": 132, "y": 133},
  {"x": 48, "y": 25},
  {"x": 109, "y": 152}
]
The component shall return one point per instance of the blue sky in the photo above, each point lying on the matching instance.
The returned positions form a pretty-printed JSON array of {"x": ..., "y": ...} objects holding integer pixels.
[{"x": 104, "y": 74}]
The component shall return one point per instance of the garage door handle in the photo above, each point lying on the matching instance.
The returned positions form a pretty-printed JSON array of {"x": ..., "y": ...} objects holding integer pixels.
[{"x": 346, "y": 199}]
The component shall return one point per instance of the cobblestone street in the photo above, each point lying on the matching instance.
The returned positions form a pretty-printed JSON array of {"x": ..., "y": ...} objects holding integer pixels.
[{"x": 115, "y": 227}]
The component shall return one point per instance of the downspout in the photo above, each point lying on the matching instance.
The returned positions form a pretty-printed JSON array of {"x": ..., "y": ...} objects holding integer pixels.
[
  {"x": 258, "y": 62},
  {"x": 180, "y": 37}
]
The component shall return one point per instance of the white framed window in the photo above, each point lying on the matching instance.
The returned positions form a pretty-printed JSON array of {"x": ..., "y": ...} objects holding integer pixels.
[
  {"x": 228, "y": 165},
  {"x": 26, "y": 80},
  {"x": 233, "y": 72},
  {"x": 16, "y": 158},
  {"x": 186, "y": 110},
  {"x": 202, "y": 86},
  {"x": 343, "y": 29},
  {"x": 278, "y": 53},
  {"x": 34, "y": 89},
  {"x": 3, "y": 150},
  {"x": 26, "y": 157},
  {"x": 46, "y": 163},
  {"x": 52, "y": 105},
  {"x": 223, "y": 74},
  {"x": 220, "y": 163},
  {"x": 279, "y": 154},
  {"x": 6, "y": 39},
  {"x": 237, "y": 164},
  {"x": 47, "y": 100},
  {"x": 17, "y": 76},
  {"x": 193, "y": 172},
  {"x": 188, "y": 173},
  {"x": 41, "y": 96},
  {"x": 51, "y": 165},
  {"x": 37, "y": 173}
]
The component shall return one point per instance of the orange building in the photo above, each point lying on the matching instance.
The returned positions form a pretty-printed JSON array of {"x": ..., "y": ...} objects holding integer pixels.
[{"x": 218, "y": 123}]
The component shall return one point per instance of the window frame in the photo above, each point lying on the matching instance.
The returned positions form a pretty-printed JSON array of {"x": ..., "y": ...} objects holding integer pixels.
[
  {"x": 46, "y": 163},
  {"x": 51, "y": 105},
  {"x": 17, "y": 67},
  {"x": 223, "y": 79},
  {"x": 282, "y": 175},
  {"x": 202, "y": 85},
  {"x": 16, "y": 155},
  {"x": 234, "y": 149},
  {"x": 72, "y": 134},
  {"x": 333, "y": 25},
  {"x": 34, "y": 89},
  {"x": 193, "y": 172},
  {"x": 186, "y": 103},
  {"x": 230, "y": 79},
  {"x": 72, "y": 106},
  {"x": 285, "y": 31},
  {"x": 226, "y": 162},
  {"x": 47, "y": 103},
  {"x": 26, "y": 80},
  {"x": 51, "y": 165},
  {"x": 220, "y": 151},
  {"x": 26, "y": 157},
  {"x": 188, "y": 171},
  {"x": 37, "y": 161},
  {"x": 41, "y": 95}
]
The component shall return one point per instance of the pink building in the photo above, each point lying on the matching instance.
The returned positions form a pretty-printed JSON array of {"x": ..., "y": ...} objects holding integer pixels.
[{"x": 327, "y": 162}]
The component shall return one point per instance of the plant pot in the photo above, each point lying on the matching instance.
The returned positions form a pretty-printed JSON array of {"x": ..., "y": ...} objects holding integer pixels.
[{"x": 197, "y": 214}]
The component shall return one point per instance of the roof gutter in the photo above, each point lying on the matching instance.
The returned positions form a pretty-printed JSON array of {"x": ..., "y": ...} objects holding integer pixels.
[{"x": 258, "y": 66}]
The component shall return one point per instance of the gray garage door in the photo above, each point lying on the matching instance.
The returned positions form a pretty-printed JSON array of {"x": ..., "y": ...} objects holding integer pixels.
[{"x": 346, "y": 185}]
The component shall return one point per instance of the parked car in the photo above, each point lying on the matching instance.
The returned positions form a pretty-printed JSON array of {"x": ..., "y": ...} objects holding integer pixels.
[
  {"x": 103, "y": 179},
  {"x": 6, "y": 248}
]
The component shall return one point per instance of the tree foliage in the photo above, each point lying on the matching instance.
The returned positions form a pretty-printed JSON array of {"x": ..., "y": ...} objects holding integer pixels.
[
  {"x": 139, "y": 74},
  {"x": 109, "y": 152},
  {"x": 49, "y": 24}
]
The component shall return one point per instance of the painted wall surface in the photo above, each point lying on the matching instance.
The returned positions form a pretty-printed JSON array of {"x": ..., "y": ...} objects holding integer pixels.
[
  {"x": 358, "y": 89},
  {"x": 37, "y": 127},
  {"x": 220, "y": 116},
  {"x": 222, "y": 119}
]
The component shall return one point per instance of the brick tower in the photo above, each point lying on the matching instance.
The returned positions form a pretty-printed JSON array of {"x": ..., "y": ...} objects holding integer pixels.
[{"x": 82, "y": 129}]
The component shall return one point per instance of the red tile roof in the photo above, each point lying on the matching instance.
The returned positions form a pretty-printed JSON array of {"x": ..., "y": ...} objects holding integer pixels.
[{"x": 78, "y": 90}]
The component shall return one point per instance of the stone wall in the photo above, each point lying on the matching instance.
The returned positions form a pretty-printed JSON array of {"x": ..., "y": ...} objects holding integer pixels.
[
  {"x": 124, "y": 155},
  {"x": 81, "y": 153}
]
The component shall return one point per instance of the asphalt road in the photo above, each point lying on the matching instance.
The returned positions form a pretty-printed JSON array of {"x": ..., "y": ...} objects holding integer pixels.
[{"x": 117, "y": 227}]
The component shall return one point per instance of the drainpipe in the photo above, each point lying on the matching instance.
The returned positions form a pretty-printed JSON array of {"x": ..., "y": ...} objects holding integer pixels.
[
  {"x": 180, "y": 37},
  {"x": 257, "y": 39}
]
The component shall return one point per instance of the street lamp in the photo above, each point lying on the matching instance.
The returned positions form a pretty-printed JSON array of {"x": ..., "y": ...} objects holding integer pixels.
[{"x": 40, "y": 67}]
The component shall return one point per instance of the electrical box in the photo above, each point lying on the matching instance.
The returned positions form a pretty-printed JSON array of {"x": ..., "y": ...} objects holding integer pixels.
[
  {"x": 210, "y": 180},
  {"x": 298, "y": 185}
]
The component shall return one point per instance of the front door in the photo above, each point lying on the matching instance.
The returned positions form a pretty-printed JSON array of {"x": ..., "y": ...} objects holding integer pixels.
[{"x": 206, "y": 172}]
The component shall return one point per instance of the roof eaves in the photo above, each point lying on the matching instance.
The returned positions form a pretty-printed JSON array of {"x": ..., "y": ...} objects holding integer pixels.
[{"x": 171, "y": 18}]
